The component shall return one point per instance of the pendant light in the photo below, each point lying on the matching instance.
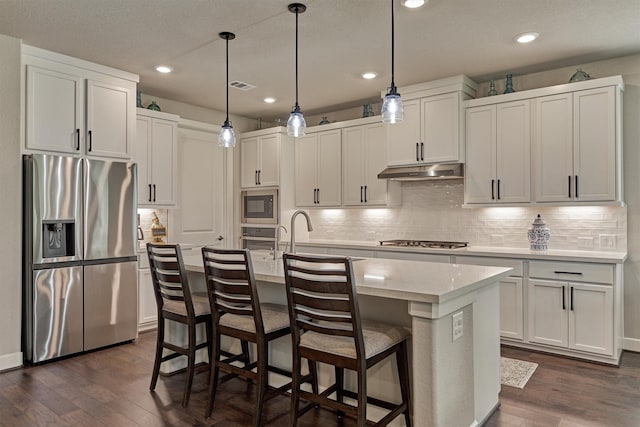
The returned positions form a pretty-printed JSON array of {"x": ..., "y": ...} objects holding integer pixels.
[
  {"x": 296, "y": 126},
  {"x": 392, "y": 109},
  {"x": 227, "y": 137}
]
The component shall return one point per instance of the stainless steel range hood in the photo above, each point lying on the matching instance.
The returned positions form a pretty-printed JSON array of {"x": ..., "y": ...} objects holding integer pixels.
[{"x": 423, "y": 172}]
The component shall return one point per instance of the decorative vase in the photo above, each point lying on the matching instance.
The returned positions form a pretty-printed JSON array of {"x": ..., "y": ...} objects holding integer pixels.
[
  {"x": 509, "y": 85},
  {"x": 492, "y": 88},
  {"x": 324, "y": 121},
  {"x": 153, "y": 106},
  {"x": 579, "y": 76},
  {"x": 367, "y": 110},
  {"x": 139, "y": 99},
  {"x": 539, "y": 234}
]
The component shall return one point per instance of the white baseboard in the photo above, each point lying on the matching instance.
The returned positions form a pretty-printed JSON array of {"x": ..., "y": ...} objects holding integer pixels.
[
  {"x": 631, "y": 344},
  {"x": 10, "y": 361}
]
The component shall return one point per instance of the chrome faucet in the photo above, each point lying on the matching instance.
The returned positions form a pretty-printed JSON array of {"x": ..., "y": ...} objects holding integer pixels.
[
  {"x": 293, "y": 227},
  {"x": 275, "y": 250}
]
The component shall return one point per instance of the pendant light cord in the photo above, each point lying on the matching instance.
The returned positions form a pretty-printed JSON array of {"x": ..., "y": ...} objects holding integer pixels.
[
  {"x": 297, "y": 106},
  {"x": 393, "y": 32},
  {"x": 227, "y": 120}
]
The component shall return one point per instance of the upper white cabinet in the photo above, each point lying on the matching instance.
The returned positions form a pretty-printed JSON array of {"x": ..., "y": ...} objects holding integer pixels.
[
  {"x": 498, "y": 153},
  {"x": 433, "y": 127},
  {"x": 318, "y": 167},
  {"x": 156, "y": 155},
  {"x": 575, "y": 146},
  {"x": 363, "y": 157},
  {"x": 76, "y": 107},
  {"x": 260, "y": 160}
]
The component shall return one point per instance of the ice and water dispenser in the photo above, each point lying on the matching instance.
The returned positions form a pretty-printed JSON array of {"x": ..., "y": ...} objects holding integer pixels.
[{"x": 58, "y": 238}]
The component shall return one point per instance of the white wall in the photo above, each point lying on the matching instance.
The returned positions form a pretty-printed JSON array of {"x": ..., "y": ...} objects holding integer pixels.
[{"x": 11, "y": 195}]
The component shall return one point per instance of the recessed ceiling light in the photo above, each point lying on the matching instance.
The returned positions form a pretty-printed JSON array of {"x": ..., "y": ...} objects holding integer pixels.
[
  {"x": 164, "y": 69},
  {"x": 526, "y": 37},
  {"x": 269, "y": 100},
  {"x": 412, "y": 4},
  {"x": 369, "y": 75}
]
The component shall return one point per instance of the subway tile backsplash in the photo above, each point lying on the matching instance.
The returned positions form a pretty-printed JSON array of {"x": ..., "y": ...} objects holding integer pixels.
[{"x": 433, "y": 211}]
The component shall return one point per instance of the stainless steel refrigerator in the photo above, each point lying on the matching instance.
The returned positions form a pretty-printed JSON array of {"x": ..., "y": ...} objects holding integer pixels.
[{"x": 80, "y": 287}]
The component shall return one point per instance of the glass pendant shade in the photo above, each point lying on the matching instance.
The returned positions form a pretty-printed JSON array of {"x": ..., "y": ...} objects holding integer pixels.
[
  {"x": 227, "y": 137},
  {"x": 392, "y": 108},
  {"x": 296, "y": 125}
]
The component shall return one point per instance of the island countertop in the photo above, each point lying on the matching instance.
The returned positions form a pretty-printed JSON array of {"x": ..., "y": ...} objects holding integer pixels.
[{"x": 417, "y": 281}]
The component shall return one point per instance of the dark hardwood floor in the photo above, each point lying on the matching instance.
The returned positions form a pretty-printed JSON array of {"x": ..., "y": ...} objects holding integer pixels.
[{"x": 111, "y": 388}]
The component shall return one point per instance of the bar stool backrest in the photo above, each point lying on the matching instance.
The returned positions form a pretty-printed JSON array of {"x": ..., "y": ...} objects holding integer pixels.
[{"x": 169, "y": 276}]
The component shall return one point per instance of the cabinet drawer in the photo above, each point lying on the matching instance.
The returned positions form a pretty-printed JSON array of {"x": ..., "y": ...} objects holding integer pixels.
[
  {"x": 572, "y": 271},
  {"x": 493, "y": 262}
]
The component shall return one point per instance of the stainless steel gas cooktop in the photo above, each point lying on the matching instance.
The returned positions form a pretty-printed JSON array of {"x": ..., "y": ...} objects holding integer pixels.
[{"x": 424, "y": 244}]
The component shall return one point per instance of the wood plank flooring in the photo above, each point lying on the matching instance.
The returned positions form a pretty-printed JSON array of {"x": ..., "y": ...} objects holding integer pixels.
[{"x": 111, "y": 388}]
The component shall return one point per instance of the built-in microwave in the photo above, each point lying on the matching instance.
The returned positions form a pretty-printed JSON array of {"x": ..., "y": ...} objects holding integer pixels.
[{"x": 260, "y": 206}]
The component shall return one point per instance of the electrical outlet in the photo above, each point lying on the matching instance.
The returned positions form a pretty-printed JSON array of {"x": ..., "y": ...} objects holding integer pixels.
[
  {"x": 607, "y": 241},
  {"x": 585, "y": 242},
  {"x": 457, "y": 322}
]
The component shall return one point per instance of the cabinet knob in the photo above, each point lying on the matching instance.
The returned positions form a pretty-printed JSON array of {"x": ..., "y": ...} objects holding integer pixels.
[{"x": 220, "y": 238}]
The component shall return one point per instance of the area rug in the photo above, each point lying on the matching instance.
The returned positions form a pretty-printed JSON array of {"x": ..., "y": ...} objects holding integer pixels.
[{"x": 515, "y": 373}]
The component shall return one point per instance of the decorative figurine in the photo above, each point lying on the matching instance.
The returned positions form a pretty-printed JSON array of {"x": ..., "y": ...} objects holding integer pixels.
[
  {"x": 492, "y": 88},
  {"x": 539, "y": 234},
  {"x": 579, "y": 76},
  {"x": 509, "y": 85},
  {"x": 153, "y": 106},
  {"x": 324, "y": 121},
  {"x": 158, "y": 231}
]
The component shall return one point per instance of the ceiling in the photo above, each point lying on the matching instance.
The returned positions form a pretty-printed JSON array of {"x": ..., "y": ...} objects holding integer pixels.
[{"x": 338, "y": 39}]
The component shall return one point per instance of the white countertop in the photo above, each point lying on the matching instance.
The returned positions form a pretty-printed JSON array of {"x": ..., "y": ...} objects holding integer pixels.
[
  {"x": 615, "y": 257},
  {"x": 398, "y": 279}
]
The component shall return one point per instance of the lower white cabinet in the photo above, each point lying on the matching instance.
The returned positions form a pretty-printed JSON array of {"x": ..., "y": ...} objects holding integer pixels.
[{"x": 147, "y": 308}]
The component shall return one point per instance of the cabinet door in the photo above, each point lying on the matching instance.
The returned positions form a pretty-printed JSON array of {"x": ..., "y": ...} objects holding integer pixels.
[
  {"x": 109, "y": 108},
  {"x": 329, "y": 168},
  {"x": 55, "y": 110},
  {"x": 269, "y": 166},
  {"x": 547, "y": 312},
  {"x": 481, "y": 157},
  {"x": 440, "y": 128},
  {"x": 511, "y": 309},
  {"x": 513, "y": 151},
  {"x": 249, "y": 162},
  {"x": 404, "y": 137},
  {"x": 553, "y": 148},
  {"x": 163, "y": 162},
  {"x": 147, "y": 309},
  {"x": 142, "y": 157},
  {"x": 594, "y": 149},
  {"x": 353, "y": 165},
  {"x": 306, "y": 149},
  {"x": 375, "y": 160},
  {"x": 591, "y": 318}
]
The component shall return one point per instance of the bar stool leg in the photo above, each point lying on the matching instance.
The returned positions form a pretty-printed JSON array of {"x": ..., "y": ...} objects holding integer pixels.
[
  {"x": 295, "y": 389},
  {"x": 340, "y": 387},
  {"x": 159, "y": 348},
  {"x": 213, "y": 377},
  {"x": 263, "y": 362},
  {"x": 403, "y": 374},
  {"x": 362, "y": 398},
  {"x": 190, "y": 364}
]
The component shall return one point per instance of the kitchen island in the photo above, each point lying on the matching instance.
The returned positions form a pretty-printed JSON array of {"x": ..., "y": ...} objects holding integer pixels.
[{"x": 455, "y": 382}]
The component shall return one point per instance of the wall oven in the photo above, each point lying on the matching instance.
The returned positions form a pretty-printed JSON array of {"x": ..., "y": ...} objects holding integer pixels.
[
  {"x": 260, "y": 207},
  {"x": 259, "y": 238}
]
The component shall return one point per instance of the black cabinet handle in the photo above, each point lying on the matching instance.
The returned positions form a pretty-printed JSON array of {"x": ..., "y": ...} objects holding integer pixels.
[
  {"x": 149, "y": 192},
  {"x": 498, "y": 189},
  {"x": 568, "y": 272},
  {"x": 493, "y": 183},
  {"x": 564, "y": 305},
  {"x": 77, "y": 139},
  {"x": 255, "y": 177},
  {"x": 569, "y": 186},
  {"x": 361, "y": 195},
  {"x": 318, "y": 196},
  {"x": 576, "y": 186},
  {"x": 417, "y": 155},
  {"x": 365, "y": 194},
  {"x": 90, "y": 141},
  {"x": 154, "y": 192},
  {"x": 314, "y": 196},
  {"x": 571, "y": 298},
  {"x": 422, "y": 151},
  {"x": 259, "y": 180}
]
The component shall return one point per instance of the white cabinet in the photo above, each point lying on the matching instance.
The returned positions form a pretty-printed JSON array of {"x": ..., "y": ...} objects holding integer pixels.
[
  {"x": 260, "y": 161},
  {"x": 147, "y": 308},
  {"x": 75, "y": 107},
  {"x": 430, "y": 132},
  {"x": 363, "y": 157},
  {"x": 318, "y": 168},
  {"x": 498, "y": 153},
  {"x": 156, "y": 154},
  {"x": 568, "y": 311},
  {"x": 575, "y": 146}
]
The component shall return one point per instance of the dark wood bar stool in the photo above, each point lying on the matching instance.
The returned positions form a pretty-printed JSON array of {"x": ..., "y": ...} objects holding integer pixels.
[
  {"x": 326, "y": 328},
  {"x": 175, "y": 302},
  {"x": 237, "y": 312}
]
